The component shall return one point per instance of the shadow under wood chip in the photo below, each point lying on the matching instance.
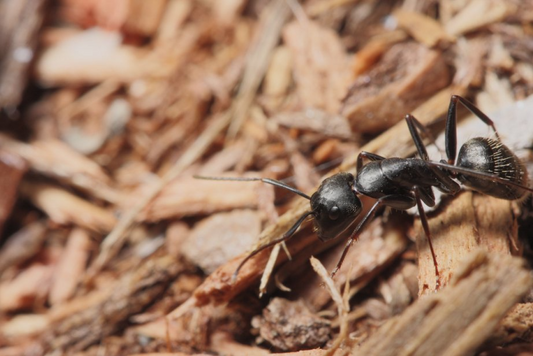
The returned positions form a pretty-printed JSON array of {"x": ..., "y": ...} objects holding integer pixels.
[{"x": 290, "y": 326}]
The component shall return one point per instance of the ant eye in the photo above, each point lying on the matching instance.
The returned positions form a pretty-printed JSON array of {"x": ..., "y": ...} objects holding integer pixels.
[{"x": 334, "y": 212}]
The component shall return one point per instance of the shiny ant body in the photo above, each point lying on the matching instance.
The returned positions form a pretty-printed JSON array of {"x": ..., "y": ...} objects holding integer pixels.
[{"x": 483, "y": 164}]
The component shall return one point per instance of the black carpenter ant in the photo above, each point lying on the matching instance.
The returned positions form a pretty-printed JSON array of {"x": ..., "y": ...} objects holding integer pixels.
[{"x": 483, "y": 164}]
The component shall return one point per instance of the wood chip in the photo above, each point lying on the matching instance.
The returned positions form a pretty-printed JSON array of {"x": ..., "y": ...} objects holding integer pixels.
[
  {"x": 220, "y": 238},
  {"x": 316, "y": 120},
  {"x": 477, "y": 14},
  {"x": 423, "y": 28},
  {"x": 22, "y": 245},
  {"x": 131, "y": 294},
  {"x": 407, "y": 75},
  {"x": 484, "y": 288},
  {"x": 189, "y": 196},
  {"x": 26, "y": 288},
  {"x": 71, "y": 266},
  {"x": 12, "y": 169},
  {"x": 465, "y": 223},
  {"x": 20, "y": 22},
  {"x": 320, "y": 64},
  {"x": 55, "y": 159},
  {"x": 290, "y": 326},
  {"x": 66, "y": 208}
]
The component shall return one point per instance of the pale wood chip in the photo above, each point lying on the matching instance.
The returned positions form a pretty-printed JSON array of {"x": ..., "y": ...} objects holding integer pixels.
[
  {"x": 71, "y": 266},
  {"x": 320, "y": 64},
  {"x": 423, "y": 28},
  {"x": 73, "y": 61},
  {"x": 465, "y": 223},
  {"x": 278, "y": 78},
  {"x": 478, "y": 14},
  {"x": 176, "y": 12},
  {"x": 188, "y": 196},
  {"x": 66, "y": 208}
]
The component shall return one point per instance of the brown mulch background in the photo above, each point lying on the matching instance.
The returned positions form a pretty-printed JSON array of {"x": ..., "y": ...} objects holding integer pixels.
[{"x": 110, "y": 246}]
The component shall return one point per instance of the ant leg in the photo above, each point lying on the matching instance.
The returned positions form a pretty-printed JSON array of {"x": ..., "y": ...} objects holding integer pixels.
[
  {"x": 369, "y": 156},
  {"x": 451, "y": 125},
  {"x": 395, "y": 201},
  {"x": 286, "y": 236},
  {"x": 412, "y": 124},
  {"x": 425, "y": 225}
]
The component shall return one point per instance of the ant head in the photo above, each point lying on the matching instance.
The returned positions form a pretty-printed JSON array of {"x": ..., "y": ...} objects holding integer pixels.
[{"x": 335, "y": 205}]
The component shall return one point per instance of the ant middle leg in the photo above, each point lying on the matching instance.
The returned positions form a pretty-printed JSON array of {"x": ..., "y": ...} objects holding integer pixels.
[
  {"x": 425, "y": 226},
  {"x": 400, "y": 202},
  {"x": 451, "y": 125}
]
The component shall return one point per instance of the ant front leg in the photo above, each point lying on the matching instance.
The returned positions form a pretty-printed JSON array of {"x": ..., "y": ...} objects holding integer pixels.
[
  {"x": 451, "y": 125},
  {"x": 399, "y": 202},
  {"x": 414, "y": 125}
]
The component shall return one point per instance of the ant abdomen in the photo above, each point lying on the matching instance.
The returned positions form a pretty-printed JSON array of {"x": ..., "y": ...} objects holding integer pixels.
[{"x": 491, "y": 156}]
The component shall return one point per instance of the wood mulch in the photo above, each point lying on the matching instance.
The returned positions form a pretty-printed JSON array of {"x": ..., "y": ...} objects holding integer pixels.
[{"x": 110, "y": 246}]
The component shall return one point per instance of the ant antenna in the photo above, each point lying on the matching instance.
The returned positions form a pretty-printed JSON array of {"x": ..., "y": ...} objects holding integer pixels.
[
  {"x": 286, "y": 235},
  {"x": 274, "y": 182}
]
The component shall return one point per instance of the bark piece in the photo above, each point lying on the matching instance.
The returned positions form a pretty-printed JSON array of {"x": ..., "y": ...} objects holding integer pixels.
[
  {"x": 290, "y": 326},
  {"x": 20, "y": 22},
  {"x": 407, "y": 75},
  {"x": 458, "y": 319},
  {"x": 130, "y": 295},
  {"x": 516, "y": 326},
  {"x": 12, "y": 169},
  {"x": 22, "y": 245}
]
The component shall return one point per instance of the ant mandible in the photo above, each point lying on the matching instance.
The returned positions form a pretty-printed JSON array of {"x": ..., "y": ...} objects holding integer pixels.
[{"x": 483, "y": 164}]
